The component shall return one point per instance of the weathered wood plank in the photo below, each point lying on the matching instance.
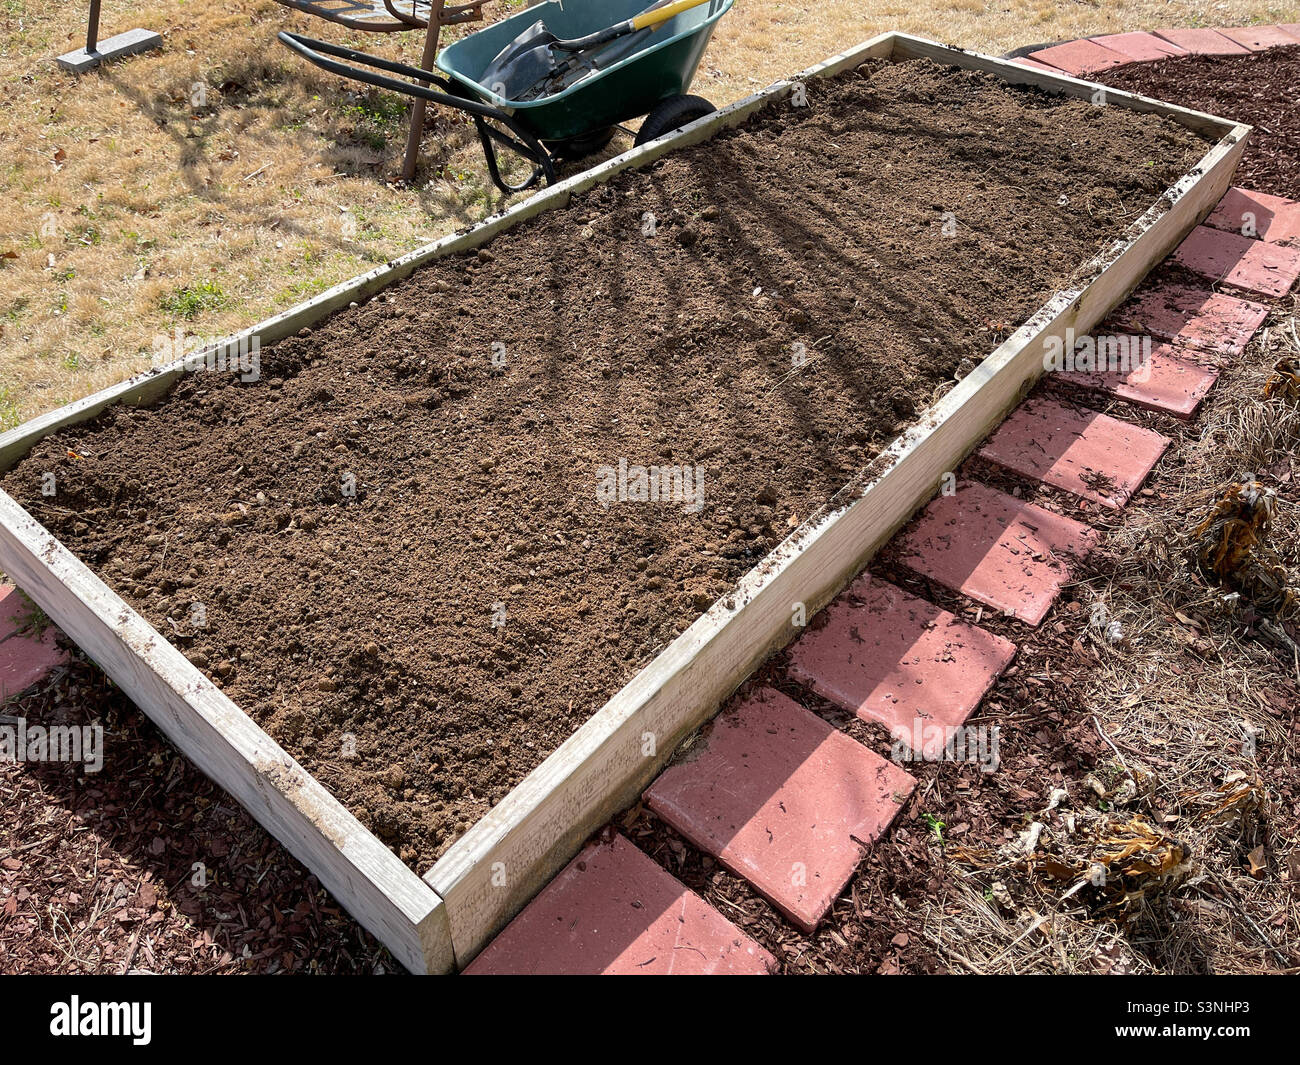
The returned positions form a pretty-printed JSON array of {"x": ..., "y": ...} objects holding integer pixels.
[{"x": 364, "y": 875}]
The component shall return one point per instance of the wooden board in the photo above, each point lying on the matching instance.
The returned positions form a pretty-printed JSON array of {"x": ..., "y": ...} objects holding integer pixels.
[
  {"x": 377, "y": 889},
  {"x": 510, "y": 854}
]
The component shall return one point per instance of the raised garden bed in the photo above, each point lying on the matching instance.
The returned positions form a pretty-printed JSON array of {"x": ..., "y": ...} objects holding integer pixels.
[{"x": 338, "y": 619}]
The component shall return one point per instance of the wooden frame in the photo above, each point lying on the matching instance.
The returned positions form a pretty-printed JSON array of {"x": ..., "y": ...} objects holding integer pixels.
[{"x": 442, "y": 920}]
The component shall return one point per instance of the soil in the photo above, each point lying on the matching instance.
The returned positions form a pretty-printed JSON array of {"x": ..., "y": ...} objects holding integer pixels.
[
  {"x": 1262, "y": 88},
  {"x": 423, "y": 643}
]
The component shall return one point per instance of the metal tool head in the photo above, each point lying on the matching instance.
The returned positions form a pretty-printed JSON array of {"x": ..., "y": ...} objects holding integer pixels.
[{"x": 523, "y": 65}]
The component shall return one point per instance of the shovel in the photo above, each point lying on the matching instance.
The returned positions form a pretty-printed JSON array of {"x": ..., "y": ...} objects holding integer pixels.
[{"x": 535, "y": 61}]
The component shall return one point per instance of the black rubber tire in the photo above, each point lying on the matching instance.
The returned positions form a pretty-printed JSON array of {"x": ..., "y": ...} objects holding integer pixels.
[
  {"x": 581, "y": 146},
  {"x": 671, "y": 114}
]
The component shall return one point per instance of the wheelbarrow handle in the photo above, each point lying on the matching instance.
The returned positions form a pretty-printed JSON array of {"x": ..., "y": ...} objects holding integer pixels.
[{"x": 316, "y": 53}]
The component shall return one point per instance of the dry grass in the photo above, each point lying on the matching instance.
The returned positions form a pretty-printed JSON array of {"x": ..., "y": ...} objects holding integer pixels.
[
  {"x": 1185, "y": 692},
  {"x": 134, "y": 210}
]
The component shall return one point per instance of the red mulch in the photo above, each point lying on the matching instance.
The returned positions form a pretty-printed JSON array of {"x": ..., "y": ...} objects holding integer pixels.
[{"x": 97, "y": 870}]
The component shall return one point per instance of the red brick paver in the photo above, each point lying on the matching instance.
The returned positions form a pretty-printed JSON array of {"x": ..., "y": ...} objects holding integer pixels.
[
  {"x": 900, "y": 661},
  {"x": 1090, "y": 455},
  {"x": 1192, "y": 317},
  {"x": 1257, "y": 214},
  {"x": 1079, "y": 57},
  {"x": 1203, "y": 42},
  {"x": 1260, "y": 38},
  {"x": 1033, "y": 64},
  {"x": 783, "y": 800},
  {"x": 1139, "y": 47},
  {"x": 1166, "y": 383},
  {"x": 998, "y": 550},
  {"x": 1255, "y": 265},
  {"x": 613, "y": 911},
  {"x": 25, "y": 657}
]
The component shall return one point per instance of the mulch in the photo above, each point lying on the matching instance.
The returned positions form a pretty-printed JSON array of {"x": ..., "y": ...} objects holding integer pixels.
[
  {"x": 1262, "y": 88},
  {"x": 147, "y": 866}
]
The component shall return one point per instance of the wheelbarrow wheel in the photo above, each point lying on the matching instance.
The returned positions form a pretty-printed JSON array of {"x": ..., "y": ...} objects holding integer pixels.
[
  {"x": 583, "y": 145},
  {"x": 672, "y": 113}
]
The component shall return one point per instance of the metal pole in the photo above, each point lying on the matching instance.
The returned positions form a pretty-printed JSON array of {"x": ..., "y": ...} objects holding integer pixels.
[
  {"x": 92, "y": 30},
  {"x": 416, "y": 130}
]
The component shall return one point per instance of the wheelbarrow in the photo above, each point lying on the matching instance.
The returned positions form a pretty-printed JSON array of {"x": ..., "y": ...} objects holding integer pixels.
[{"x": 646, "y": 73}]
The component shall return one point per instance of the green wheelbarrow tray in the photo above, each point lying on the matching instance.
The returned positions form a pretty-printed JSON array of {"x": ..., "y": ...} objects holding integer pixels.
[
  {"x": 659, "y": 69},
  {"x": 662, "y": 66}
]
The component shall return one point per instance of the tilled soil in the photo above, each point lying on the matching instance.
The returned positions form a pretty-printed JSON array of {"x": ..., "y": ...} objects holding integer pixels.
[
  {"x": 402, "y": 567},
  {"x": 1262, "y": 88}
]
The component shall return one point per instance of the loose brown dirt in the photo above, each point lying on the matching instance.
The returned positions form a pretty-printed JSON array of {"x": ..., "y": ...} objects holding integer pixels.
[{"x": 359, "y": 629}]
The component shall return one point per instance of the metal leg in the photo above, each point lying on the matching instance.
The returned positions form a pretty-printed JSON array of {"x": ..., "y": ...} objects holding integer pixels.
[
  {"x": 115, "y": 47},
  {"x": 92, "y": 27},
  {"x": 416, "y": 131}
]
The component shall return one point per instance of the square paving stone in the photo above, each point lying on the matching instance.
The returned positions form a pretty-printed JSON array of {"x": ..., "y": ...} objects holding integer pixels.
[
  {"x": 997, "y": 549},
  {"x": 783, "y": 800},
  {"x": 1033, "y": 64},
  {"x": 25, "y": 656},
  {"x": 1255, "y": 265},
  {"x": 1079, "y": 57},
  {"x": 1271, "y": 218},
  {"x": 1090, "y": 455},
  {"x": 1191, "y": 317},
  {"x": 898, "y": 660},
  {"x": 1260, "y": 38},
  {"x": 1203, "y": 42},
  {"x": 1166, "y": 383},
  {"x": 1139, "y": 47},
  {"x": 614, "y": 911}
]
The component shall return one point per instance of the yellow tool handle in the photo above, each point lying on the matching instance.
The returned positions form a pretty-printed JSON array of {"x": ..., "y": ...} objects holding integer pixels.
[{"x": 661, "y": 15}]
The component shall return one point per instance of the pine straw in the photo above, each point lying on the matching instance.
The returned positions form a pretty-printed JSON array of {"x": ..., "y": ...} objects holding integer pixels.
[{"x": 1194, "y": 690}]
